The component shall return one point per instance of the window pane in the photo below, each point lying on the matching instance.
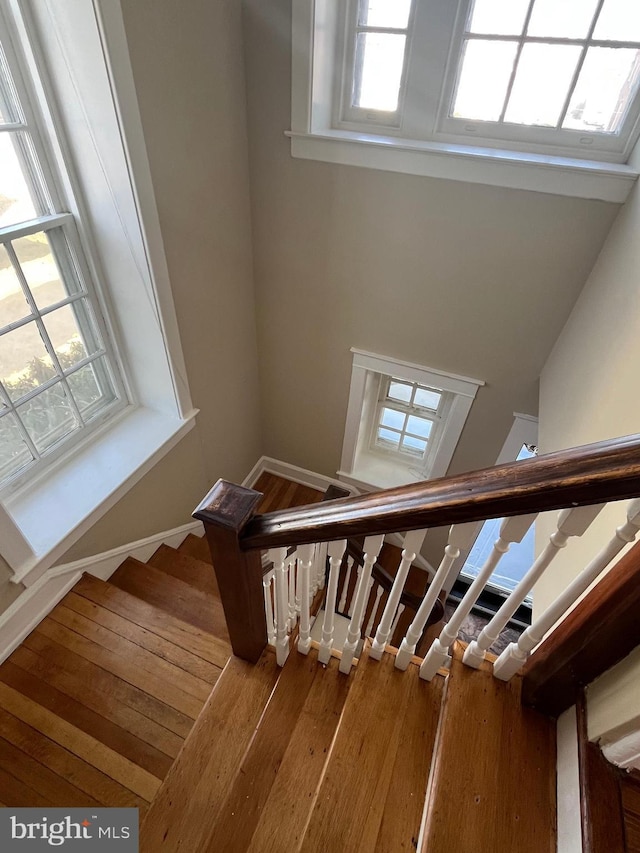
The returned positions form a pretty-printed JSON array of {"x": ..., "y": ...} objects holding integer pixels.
[
  {"x": 48, "y": 417},
  {"x": 384, "y": 13},
  {"x": 391, "y": 418},
  {"x": 498, "y": 17},
  {"x": 414, "y": 445},
  {"x": 568, "y": 19},
  {"x": 16, "y": 204},
  {"x": 70, "y": 333},
  {"x": 387, "y": 435},
  {"x": 24, "y": 361},
  {"x": 542, "y": 83},
  {"x": 14, "y": 453},
  {"x": 419, "y": 426},
  {"x": 92, "y": 384},
  {"x": 619, "y": 20},
  {"x": 400, "y": 391},
  {"x": 484, "y": 78},
  {"x": 607, "y": 82},
  {"x": 40, "y": 269},
  {"x": 427, "y": 399},
  {"x": 13, "y": 305},
  {"x": 379, "y": 63}
]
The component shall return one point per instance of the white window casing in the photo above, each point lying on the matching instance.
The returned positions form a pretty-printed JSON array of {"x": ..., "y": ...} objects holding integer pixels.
[
  {"x": 77, "y": 55},
  {"x": 420, "y": 138},
  {"x": 370, "y": 469}
]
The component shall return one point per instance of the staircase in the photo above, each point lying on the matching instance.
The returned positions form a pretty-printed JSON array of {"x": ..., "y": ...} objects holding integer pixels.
[
  {"x": 96, "y": 703},
  {"x": 308, "y": 759}
]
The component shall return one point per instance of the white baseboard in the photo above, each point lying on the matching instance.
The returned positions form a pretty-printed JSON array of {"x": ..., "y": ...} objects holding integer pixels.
[
  {"x": 36, "y": 602},
  {"x": 320, "y": 482},
  {"x": 295, "y": 474}
]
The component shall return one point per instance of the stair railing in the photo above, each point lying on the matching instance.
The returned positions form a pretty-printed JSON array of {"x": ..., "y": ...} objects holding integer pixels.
[{"x": 577, "y": 481}]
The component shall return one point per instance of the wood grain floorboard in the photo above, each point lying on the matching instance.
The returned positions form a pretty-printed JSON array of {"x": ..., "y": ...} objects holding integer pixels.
[
  {"x": 196, "y": 547},
  {"x": 495, "y": 765},
  {"x": 16, "y": 794},
  {"x": 186, "y": 807},
  {"x": 105, "y": 681},
  {"x": 198, "y": 574},
  {"x": 177, "y": 631},
  {"x": 77, "y": 715}
]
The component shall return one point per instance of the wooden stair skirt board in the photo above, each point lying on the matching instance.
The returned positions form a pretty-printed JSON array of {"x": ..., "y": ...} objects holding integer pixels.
[{"x": 307, "y": 759}]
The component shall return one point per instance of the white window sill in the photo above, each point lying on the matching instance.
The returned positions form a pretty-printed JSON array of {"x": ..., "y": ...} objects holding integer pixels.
[
  {"x": 55, "y": 511},
  {"x": 516, "y": 170},
  {"x": 376, "y": 472}
]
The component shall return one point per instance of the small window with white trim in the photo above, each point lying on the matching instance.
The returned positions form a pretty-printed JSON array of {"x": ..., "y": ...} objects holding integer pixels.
[
  {"x": 58, "y": 373},
  {"x": 408, "y": 418}
]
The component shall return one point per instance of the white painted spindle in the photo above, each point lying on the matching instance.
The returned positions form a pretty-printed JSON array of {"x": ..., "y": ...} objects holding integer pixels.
[
  {"x": 291, "y": 574},
  {"x": 335, "y": 551},
  {"x": 319, "y": 568},
  {"x": 345, "y": 586},
  {"x": 511, "y": 530},
  {"x": 352, "y": 603},
  {"x": 305, "y": 561},
  {"x": 279, "y": 557},
  {"x": 374, "y": 611},
  {"x": 571, "y": 522},
  {"x": 516, "y": 654},
  {"x": 460, "y": 536},
  {"x": 372, "y": 547},
  {"x": 268, "y": 607},
  {"x": 396, "y": 620},
  {"x": 412, "y": 544}
]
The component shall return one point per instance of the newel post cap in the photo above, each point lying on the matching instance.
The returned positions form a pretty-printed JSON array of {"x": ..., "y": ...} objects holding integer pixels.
[{"x": 228, "y": 505}]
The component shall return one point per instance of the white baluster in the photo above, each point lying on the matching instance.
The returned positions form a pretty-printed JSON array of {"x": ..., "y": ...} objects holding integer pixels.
[
  {"x": 305, "y": 560},
  {"x": 291, "y": 572},
  {"x": 511, "y": 530},
  {"x": 353, "y": 597},
  {"x": 279, "y": 556},
  {"x": 396, "y": 620},
  {"x": 374, "y": 611},
  {"x": 322, "y": 565},
  {"x": 345, "y": 586},
  {"x": 335, "y": 551},
  {"x": 516, "y": 654},
  {"x": 372, "y": 547},
  {"x": 268, "y": 607},
  {"x": 571, "y": 522},
  {"x": 460, "y": 536},
  {"x": 412, "y": 544},
  {"x": 319, "y": 568}
]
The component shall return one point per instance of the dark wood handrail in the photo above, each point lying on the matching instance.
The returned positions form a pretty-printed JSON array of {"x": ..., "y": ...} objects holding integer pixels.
[{"x": 594, "y": 473}]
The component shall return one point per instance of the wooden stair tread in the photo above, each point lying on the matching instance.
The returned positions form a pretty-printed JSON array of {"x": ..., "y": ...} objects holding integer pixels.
[
  {"x": 185, "y": 809},
  {"x": 494, "y": 779},
  {"x": 350, "y": 810},
  {"x": 245, "y": 801},
  {"x": 190, "y": 570},
  {"x": 196, "y": 547},
  {"x": 183, "y": 634},
  {"x": 173, "y": 595},
  {"x": 295, "y": 784}
]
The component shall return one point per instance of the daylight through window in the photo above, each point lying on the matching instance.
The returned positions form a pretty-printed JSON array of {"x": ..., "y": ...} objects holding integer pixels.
[{"x": 56, "y": 374}]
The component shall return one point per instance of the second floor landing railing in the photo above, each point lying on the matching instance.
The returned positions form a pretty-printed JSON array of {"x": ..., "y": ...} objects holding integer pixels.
[{"x": 307, "y": 545}]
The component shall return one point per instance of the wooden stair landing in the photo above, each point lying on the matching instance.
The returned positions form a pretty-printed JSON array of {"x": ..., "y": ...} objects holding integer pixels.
[{"x": 307, "y": 759}]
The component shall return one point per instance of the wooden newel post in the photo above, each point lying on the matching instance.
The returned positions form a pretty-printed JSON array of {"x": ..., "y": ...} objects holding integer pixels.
[{"x": 224, "y": 512}]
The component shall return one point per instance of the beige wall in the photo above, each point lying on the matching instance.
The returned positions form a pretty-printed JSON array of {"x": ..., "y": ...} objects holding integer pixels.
[
  {"x": 188, "y": 71},
  {"x": 466, "y": 278},
  {"x": 588, "y": 393}
]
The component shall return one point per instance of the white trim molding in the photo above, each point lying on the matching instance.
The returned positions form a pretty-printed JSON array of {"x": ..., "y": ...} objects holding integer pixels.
[
  {"x": 30, "y": 608},
  {"x": 362, "y": 468}
]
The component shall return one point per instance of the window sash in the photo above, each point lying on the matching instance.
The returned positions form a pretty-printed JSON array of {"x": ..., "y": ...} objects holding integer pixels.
[
  {"x": 435, "y": 38},
  {"x": 408, "y": 410}
]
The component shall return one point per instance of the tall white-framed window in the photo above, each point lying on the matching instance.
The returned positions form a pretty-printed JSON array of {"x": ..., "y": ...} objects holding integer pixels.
[
  {"x": 76, "y": 59},
  {"x": 462, "y": 88},
  {"x": 59, "y": 376},
  {"x": 403, "y": 421}
]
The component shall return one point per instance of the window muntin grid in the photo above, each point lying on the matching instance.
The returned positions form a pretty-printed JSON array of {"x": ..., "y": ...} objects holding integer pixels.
[
  {"x": 407, "y": 418},
  {"x": 57, "y": 372}
]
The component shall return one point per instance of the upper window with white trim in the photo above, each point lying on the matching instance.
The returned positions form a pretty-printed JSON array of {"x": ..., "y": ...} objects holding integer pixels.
[
  {"x": 530, "y": 74},
  {"x": 58, "y": 374},
  {"x": 533, "y": 94}
]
